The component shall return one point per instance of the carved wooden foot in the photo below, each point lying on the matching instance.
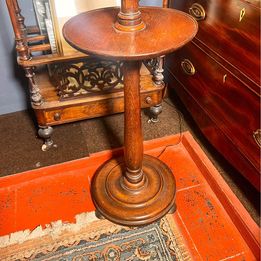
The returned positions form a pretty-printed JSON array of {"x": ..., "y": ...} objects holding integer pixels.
[
  {"x": 45, "y": 133},
  {"x": 155, "y": 111}
]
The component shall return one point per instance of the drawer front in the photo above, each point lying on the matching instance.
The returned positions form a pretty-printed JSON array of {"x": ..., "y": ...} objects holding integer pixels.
[
  {"x": 234, "y": 107},
  {"x": 231, "y": 28},
  {"x": 92, "y": 109}
]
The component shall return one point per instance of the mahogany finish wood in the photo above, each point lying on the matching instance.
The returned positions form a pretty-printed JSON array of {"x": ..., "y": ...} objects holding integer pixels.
[
  {"x": 227, "y": 27},
  {"x": 36, "y": 38},
  {"x": 21, "y": 44},
  {"x": 133, "y": 152},
  {"x": 139, "y": 189},
  {"x": 129, "y": 17},
  {"x": 88, "y": 107},
  {"x": 179, "y": 30},
  {"x": 40, "y": 48},
  {"x": 234, "y": 27},
  {"x": 50, "y": 59},
  {"x": 223, "y": 93}
]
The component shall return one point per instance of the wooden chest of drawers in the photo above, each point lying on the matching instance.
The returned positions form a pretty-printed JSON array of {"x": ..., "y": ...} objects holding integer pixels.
[{"x": 217, "y": 78}]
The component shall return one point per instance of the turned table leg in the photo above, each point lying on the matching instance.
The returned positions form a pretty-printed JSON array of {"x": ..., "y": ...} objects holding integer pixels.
[
  {"x": 133, "y": 141},
  {"x": 137, "y": 189}
]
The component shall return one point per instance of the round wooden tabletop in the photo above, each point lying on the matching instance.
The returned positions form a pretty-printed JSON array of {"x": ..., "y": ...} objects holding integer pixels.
[{"x": 166, "y": 30}]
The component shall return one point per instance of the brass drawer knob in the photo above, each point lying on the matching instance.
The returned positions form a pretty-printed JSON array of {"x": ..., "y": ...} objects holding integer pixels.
[
  {"x": 257, "y": 137},
  {"x": 188, "y": 67},
  {"x": 197, "y": 11},
  {"x": 57, "y": 116}
]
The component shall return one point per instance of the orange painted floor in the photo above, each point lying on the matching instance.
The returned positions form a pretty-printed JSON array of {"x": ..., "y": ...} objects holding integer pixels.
[{"x": 212, "y": 220}]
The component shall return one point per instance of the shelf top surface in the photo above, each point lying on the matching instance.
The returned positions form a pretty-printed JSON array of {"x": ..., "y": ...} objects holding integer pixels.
[{"x": 166, "y": 30}]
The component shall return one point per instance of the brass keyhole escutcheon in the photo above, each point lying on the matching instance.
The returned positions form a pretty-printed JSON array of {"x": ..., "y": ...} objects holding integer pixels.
[{"x": 242, "y": 14}]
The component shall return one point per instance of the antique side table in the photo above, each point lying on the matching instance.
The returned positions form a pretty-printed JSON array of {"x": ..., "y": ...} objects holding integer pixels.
[{"x": 138, "y": 189}]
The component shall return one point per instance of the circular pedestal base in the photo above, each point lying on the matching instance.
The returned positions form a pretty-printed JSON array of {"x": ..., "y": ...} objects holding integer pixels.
[{"x": 133, "y": 207}]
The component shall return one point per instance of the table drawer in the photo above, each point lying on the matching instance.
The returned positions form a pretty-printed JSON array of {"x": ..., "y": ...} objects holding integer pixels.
[
  {"x": 231, "y": 29},
  {"x": 48, "y": 116},
  {"x": 234, "y": 107}
]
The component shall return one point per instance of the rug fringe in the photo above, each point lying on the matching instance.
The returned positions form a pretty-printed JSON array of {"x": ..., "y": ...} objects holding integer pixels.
[
  {"x": 54, "y": 229},
  {"x": 177, "y": 239}
]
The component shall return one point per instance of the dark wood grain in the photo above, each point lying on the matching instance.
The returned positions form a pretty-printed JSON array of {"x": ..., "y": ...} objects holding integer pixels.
[
  {"x": 211, "y": 130},
  {"x": 133, "y": 141},
  {"x": 223, "y": 94},
  {"x": 237, "y": 41},
  {"x": 138, "y": 189}
]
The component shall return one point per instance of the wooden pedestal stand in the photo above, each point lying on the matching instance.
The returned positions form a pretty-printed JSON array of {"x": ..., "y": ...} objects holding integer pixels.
[{"x": 139, "y": 189}]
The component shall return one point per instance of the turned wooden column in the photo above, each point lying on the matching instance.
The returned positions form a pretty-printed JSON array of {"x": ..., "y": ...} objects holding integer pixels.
[
  {"x": 133, "y": 141},
  {"x": 19, "y": 29},
  {"x": 136, "y": 189},
  {"x": 20, "y": 18},
  {"x": 129, "y": 17}
]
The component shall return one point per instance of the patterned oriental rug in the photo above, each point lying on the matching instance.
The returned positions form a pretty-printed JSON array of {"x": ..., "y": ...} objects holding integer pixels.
[{"x": 98, "y": 240}]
